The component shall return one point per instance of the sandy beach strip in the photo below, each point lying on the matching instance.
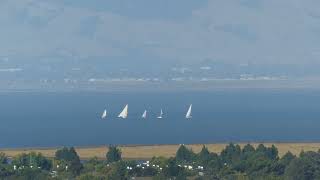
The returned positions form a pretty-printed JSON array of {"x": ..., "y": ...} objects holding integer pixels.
[{"x": 141, "y": 152}]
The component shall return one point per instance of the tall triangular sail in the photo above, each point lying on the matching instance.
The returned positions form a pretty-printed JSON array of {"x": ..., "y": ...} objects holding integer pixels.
[
  {"x": 124, "y": 113},
  {"x": 144, "y": 115},
  {"x": 161, "y": 114},
  {"x": 189, "y": 113},
  {"x": 104, "y": 114}
]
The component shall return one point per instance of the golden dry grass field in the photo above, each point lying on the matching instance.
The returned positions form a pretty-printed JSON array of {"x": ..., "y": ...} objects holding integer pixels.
[{"x": 148, "y": 151}]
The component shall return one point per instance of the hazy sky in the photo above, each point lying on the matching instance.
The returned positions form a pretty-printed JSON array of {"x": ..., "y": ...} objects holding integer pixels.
[{"x": 190, "y": 31}]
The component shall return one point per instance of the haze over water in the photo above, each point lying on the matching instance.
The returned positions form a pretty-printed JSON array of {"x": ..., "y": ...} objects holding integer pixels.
[
  {"x": 87, "y": 46},
  {"x": 56, "y": 119}
]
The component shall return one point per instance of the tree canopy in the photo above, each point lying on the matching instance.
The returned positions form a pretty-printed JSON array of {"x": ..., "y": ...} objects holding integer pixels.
[
  {"x": 114, "y": 154},
  {"x": 68, "y": 159},
  {"x": 184, "y": 154},
  {"x": 234, "y": 162}
]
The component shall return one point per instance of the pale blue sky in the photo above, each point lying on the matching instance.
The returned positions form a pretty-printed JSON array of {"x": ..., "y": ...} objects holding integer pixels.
[
  {"x": 187, "y": 31},
  {"x": 145, "y": 9}
]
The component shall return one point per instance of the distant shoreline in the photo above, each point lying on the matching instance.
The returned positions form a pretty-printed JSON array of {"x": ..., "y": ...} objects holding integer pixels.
[
  {"x": 214, "y": 85},
  {"x": 145, "y": 152}
]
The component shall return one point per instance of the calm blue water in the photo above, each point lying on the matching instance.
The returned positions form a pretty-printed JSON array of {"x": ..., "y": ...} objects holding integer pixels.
[{"x": 56, "y": 119}]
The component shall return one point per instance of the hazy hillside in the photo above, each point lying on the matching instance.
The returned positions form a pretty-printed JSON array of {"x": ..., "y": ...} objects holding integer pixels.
[{"x": 101, "y": 39}]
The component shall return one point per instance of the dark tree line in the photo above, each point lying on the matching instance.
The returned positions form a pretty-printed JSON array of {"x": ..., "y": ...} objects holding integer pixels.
[{"x": 234, "y": 162}]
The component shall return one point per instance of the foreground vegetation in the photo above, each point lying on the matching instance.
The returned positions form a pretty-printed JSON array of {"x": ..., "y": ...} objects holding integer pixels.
[{"x": 233, "y": 162}]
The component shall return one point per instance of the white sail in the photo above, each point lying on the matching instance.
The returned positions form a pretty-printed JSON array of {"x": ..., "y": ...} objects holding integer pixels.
[
  {"x": 189, "y": 115},
  {"x": 161, "y": 114},
  {"x": 144, "y": 115},
  {"x": 124, "y": 113},
  {"x": 104, "y": 114}
]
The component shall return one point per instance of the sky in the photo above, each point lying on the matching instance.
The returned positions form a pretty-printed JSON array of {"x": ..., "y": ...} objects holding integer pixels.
[{"x": 184, "y": 31}]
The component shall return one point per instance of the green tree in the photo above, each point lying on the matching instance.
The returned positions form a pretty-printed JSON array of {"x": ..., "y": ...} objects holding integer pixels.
[
  {"x": 269, "y": 152},
  {"x": 260, "y": 162},
  {"x": 247, "y": 152},
  {"x": 272, "y": 153},
  {"x": 21, "y": 160},
  {"x": 204, "y": 155},
  {"x": 161, "y": 161},
  {"x": 231, "y": 154},
  {"x": 5, "y": 170},
  {"x": 3, "y": 158},
  {"x": 184, "y": 155},
  {"x": 172, "y": 170},
  {"x": 118, "y": 171},
  {"x": 280, "y": 166},
  {"x": 114, "y": 154},
  {"x": 257, "y": 164},
  {"x": 248, "y": 149},
  {"x": 39, "y": 161},
  {"x": 261, "y": 148},
  {"x": 67, "y": 154},
  {"x": 91, "y": 176},
  {"x": 30, "y": 174},
  {"x": 214, "y": 164},
  {"x": 68, "y": 157},
  {"x": 93, "y": 165},
  {"x": 307, "y": 167},
  {"x": 32, "y": 160},
  {"x": 30, "y": 166},
  {"x": 160, "y": 176},
  {"x": 287, "y": 158}
]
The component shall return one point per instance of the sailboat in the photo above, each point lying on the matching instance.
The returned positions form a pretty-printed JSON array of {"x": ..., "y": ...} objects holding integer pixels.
[
  {"x": 144, "y": 115},
  {"x": 104, "y": 114},
  {"x": 189, "y": 115},
  {"x": 161, "y": 114},
  {"x": 124, "y": 113}
]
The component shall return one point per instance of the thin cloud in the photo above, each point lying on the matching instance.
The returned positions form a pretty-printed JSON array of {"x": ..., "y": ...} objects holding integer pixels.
[{"x": 262, "y": 31}]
